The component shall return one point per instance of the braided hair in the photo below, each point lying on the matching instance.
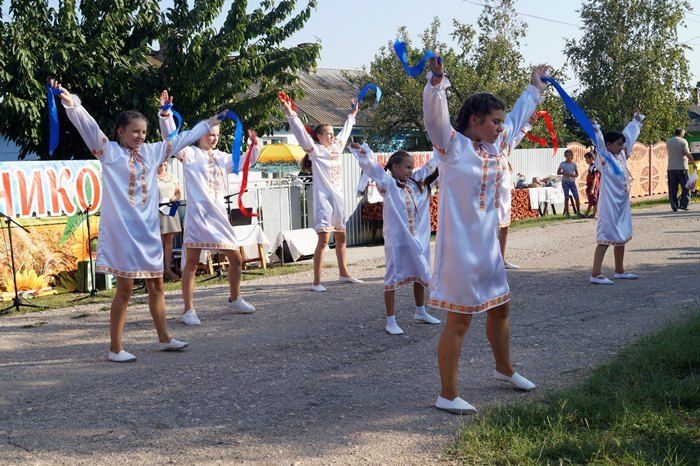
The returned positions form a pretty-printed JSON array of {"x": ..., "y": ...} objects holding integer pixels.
[{"x": 477, "y": 104}]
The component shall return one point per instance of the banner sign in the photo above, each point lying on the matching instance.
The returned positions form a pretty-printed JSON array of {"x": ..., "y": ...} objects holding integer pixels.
[{"x": 50, "y": 188}]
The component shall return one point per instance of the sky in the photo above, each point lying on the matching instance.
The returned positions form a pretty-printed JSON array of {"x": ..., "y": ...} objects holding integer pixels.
[{"x": 351, "y": 32}]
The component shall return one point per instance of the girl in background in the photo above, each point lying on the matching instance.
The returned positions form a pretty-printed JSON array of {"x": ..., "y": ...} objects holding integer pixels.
[
  {"x": 323, "y": 158},
  {"x": 406, "y": 226}
]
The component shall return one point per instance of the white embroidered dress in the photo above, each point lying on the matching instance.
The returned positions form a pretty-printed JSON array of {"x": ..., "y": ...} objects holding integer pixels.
[
  {"x": 129, "y": 243},
  {"x": 406, "y": 222},
  {"x": 614, "y": 210},
  {"x": 327, "y": 188},
  {"x": 504, "y": 207},
  {"x": 206, "y": 221},
  {"x": 468, "y": 276}
]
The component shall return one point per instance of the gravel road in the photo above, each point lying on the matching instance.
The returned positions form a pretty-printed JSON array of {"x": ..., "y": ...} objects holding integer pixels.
[{"x": 312, "y": 378}]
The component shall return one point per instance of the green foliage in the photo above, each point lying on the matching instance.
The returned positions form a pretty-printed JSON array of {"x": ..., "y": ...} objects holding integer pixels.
[
  {"x": 101, "y": 51},
  {"x": 487, "y": 60},
  {"x": 631, "y": 59},
  {"x": 641, "y": 408}
]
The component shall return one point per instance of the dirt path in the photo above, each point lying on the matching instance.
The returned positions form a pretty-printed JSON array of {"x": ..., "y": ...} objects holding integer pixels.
[{"x": 313, "y": 378}]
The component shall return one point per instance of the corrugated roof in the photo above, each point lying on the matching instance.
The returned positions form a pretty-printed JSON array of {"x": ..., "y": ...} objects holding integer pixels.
[{"x": 327, "y": 94}]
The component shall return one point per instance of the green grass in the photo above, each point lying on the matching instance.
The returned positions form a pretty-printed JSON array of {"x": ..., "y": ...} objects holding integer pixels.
[
  {"x": 67, "y": 299},
  {"x": 643, "y": 407}
]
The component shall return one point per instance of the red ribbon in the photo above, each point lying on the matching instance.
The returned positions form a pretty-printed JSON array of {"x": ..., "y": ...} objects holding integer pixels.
[
  {"x": 550, "y": 129},
  {"x": 285, "y": 98},
  {"x": 244, "y": 183}
]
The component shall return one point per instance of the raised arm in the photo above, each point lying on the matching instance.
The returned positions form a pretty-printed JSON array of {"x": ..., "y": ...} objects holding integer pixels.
[
  {"x": 186, "y": 138},
  {"x": 344, "y": 133},
  {"x": 435, "y": 111},
  {"x": 368, "y": 162},
  {"x": 599, "y": 144},
  {"x": 86, "y": 125},
  {"x": 631, "y": 133},
  {"x": 519, "y": 117},
  {"x": 167, "y": 126},
  {"x": 254, "y": 145},
  {"x": 305, "y": 140},
  {"x": 427, "y": 169}
]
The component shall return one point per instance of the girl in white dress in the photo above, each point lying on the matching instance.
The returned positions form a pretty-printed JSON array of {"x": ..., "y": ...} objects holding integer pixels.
[
  {"x": 468, "y": 276},
  {"x": 504, "y": 207},
  {"x": 614, "y": 216},
  {"x": 207, "y": 224},
  {"x": 130, "y": 245},
  {"x": 406, "y": 226},
  {"x": 329, "y": 213}
]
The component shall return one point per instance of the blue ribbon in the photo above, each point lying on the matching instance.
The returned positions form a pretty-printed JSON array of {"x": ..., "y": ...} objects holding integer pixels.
[
  {"x": 415, "y": 70},
  {"x": 582, "y": 119},
  {"x": 53, "y": 117},
  {"x": 365, "y": 89},
  {"x": 237, "y": 138},
  {"x": 178, "y": 118},
  {"x": 173, "y": 208}
]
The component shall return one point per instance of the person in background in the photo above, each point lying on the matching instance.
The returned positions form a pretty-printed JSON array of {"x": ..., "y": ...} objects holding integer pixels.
[
  {"x": 569, "y": 173},
  {"x": 168, "y": 191},
  {"x": 678, "y": 159},
  {"x": 592, "y": 185}
]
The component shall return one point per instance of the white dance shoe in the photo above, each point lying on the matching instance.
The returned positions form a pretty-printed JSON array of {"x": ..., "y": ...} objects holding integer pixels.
[
  {"x": 318, "y": 288},
  {"x": 456, "y": 406},
  {"x": 191, "y": 318},
  {"x": 600, "y": 280},
  {"x": 241, "y": 306},
  {"x": 172, "y": 345},
  {"x": 625, "y": 276},
  {"x": 349, "y": 280},
  {"x": 425, "y": 317},
  {"x": 516, "y": 380},
  {"x": 121, "y": 356}
]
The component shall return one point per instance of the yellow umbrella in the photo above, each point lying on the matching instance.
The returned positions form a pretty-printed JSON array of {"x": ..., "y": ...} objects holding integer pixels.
[{"x": 277, "y": 154}]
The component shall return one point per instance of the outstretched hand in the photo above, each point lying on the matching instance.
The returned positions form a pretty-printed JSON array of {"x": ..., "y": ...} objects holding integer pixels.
[
  {"x": 358, "y": 147},
  {"x": 65, "y": 96},
  {"x": 165, "y": 100},
  {"x": 438, "y": 69},
  {"x": 354, "y": 107},
  {"x": 253, "y": 137},
  {"x": 287, "y": 105},
  {"x": 539, "y": 72}
]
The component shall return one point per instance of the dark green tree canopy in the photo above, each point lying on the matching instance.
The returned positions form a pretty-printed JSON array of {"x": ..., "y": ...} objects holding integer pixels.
[
  {"x": 630, "y": 59},
  {"x": 104, "y": 52},
  {"x": 483, "y": 60}
]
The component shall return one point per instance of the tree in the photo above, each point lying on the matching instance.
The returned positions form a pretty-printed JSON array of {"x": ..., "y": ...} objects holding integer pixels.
[
  {"x": 241, "y": 66},
  {"x": 630, "y": 59},
  {"x": 102, "y": 52},
  {"x": 489, "y": 61}
]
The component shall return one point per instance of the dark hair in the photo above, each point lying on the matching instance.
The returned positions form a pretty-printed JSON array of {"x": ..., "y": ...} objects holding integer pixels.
[
  {"x": 588, "y": 154},
  {"x": 567, "y": 152},
  {"x": 613, "y": 136},
  {"x": 306, "y": 166},
  {"x": 124, "y": 118},
  {"x": 678, "y": 132},
  {"x": 398, "y": 157},
  {"x": 477, "y": 104}
]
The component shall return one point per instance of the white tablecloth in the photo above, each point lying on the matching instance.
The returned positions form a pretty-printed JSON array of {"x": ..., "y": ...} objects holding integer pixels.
[
  {"x": 300, "y": 243},
  {"x": 542, "y": 195},
  {"x": 249, "y": 236}
]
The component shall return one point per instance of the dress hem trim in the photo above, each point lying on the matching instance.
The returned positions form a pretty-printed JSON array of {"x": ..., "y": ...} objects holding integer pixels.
[
  {"x": 128, "y": 274},
  {"x": 462, "y": 309}
]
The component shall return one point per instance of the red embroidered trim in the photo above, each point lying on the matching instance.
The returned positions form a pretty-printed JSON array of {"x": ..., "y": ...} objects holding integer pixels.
[{"x": 461, "y": 309}]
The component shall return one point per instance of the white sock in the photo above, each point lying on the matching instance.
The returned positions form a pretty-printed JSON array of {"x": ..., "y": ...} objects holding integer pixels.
[
  {"x": 421, "y": 310},
  {"x": 390, "y": 321}
]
